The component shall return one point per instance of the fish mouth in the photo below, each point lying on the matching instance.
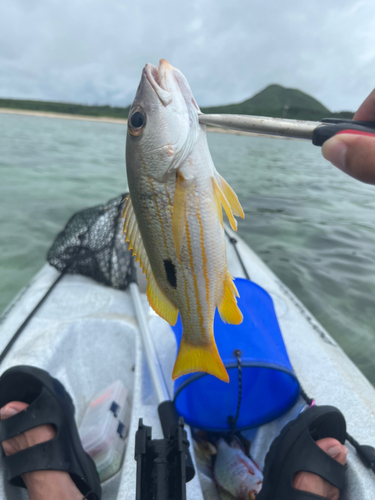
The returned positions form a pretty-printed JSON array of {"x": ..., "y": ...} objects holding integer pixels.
[
  {"x": 165, "y": 80},
  {"x": 169, "y": 84},
  {"x": 162, "y": 80}
]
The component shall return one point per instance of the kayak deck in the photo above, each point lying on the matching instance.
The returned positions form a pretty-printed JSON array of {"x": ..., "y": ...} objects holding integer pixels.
[{"x": 86, "y": 335}]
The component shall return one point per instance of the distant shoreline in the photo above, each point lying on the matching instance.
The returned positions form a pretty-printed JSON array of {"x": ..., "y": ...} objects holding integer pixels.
[
  {"x": 65, "y": 116},
  {"x": 121, "y": 121}
]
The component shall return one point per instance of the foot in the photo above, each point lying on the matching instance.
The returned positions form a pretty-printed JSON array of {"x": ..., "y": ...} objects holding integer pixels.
[
  {"x": 312, "y": 483},
  {"x": 41, "y": 485}
]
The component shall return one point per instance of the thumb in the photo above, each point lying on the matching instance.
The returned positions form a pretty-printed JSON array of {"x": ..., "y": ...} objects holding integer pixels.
[{"x": 352, "y": 153}]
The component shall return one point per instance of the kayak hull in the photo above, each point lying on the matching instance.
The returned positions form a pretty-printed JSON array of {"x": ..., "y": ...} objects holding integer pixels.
[{"x": 86, "y": 335}]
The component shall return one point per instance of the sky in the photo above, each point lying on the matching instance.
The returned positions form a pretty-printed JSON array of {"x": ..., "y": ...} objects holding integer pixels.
[{"x": 93, "y": 51}]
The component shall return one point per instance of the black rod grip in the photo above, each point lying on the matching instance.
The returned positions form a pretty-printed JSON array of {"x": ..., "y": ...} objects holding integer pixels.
[
  {"x": 169, "y": 419},
  {"x": 332, "y": 126}
]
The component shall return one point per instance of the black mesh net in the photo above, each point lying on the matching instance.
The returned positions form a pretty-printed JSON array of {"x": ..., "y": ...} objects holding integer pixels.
[{"x": 92, "y": 244}]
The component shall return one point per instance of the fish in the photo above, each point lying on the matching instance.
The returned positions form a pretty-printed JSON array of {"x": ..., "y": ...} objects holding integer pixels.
[
  {"x": 235, "y": 472},
  {"x": 173, "y": 216},
  {"x": 203, "y": 453}
]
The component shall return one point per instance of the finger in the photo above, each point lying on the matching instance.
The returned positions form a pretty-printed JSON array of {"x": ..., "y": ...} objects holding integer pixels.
[
  {"x": 366, "y": 111},
  {"x": 354, "y": 154}
]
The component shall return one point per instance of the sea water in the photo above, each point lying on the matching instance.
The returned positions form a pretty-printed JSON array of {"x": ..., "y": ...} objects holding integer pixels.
[{"x": 313, "y": 225}]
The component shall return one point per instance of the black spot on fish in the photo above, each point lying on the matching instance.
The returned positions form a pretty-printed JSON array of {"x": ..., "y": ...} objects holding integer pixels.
[{"x": 170, "y": 271}]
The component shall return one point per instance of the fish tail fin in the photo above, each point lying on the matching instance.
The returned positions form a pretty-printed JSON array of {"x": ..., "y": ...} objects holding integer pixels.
[
  {"x": 199, "y": 358},
  {"x": 228, "y": 308},
  {"x": 226, "y": 197}
]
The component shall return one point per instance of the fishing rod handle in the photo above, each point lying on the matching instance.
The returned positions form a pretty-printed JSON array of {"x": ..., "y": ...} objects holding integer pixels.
[
  {"x": 333, "y": 126},
  {"x": 169, "y": 419}
]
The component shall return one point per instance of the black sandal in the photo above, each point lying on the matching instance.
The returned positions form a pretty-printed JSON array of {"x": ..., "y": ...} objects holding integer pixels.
[
  {"x": 295, "y": 450},
  {"x": 49, "y": 403}
]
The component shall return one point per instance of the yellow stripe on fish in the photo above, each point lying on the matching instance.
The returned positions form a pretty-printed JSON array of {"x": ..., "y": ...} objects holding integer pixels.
[{"x": 179, "y": 213}]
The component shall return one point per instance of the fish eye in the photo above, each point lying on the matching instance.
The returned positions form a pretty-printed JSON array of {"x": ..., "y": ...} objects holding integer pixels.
[{"x": 137, "y": 121}]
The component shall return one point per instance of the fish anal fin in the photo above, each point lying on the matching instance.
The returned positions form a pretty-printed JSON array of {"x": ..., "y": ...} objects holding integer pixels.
[
  {"x": 126, "y": 204},
  {"x": 159, "y": 302},
  {"x": 220, "y": 197},
  {"x": 228, "y": 308},
  {"x": 199, "y": 358},
  {"x": 157, "y": 299},
  {"x": 231, "y": 196}
]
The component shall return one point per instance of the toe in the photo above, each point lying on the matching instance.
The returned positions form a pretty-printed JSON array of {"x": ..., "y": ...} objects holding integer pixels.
[
  {"x": 335, "y": 449},
  {"x": 26, "y": 439},
  {"x": 17, "y": 443},
  {"x": 315, "y": 484},
  {"x": 44, "y": 483},
  {"x": 11, "y": 409}
]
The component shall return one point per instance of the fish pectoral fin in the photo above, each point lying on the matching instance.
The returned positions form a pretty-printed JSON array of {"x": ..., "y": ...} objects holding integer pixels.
[
  {"x": 199, "y": 358},
  {"x": 225, "y": 196},
  {"x": 231, "y": 197},
  {"x": 157, "y": 299},
  {"x": 228, "y": 308},
  {"x": 181, "y": 194}
]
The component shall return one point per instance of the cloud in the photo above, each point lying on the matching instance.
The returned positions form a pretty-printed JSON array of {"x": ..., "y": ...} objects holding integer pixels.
[{"x": 93, "y": 51}]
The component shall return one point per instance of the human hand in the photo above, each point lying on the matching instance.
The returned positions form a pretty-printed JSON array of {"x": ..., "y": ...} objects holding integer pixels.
[{"x": 353, "y": 153}]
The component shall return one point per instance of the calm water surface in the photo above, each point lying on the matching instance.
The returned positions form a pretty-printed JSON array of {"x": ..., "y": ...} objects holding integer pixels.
[{"x": 310, "y": 223}]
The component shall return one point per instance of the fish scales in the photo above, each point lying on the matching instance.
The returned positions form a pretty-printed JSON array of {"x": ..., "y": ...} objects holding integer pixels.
[
  {"x": 203, "y": 262},
  {"x": 175, "y": 209}
]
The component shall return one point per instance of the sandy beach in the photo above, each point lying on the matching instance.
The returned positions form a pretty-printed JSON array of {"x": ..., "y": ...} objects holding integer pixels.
[
  {"x": 103, "y": 119},
  {"x": 64, "y": 116}
]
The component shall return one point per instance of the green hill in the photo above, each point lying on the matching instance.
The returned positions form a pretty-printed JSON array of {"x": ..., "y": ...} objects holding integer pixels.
[
  {"x": 280, "y": 102},
  {"x": 274, "y": 100}
]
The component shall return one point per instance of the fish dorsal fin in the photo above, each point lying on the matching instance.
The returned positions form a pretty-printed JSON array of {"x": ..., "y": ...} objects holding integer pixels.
[
  {"x": 228, "y": 308},
  {"x": 157, "y": 299},
  {"x": 225, "y": 196}
]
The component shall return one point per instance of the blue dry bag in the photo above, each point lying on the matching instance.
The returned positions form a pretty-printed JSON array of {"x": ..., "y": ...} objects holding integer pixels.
[{"x": 269, "y": 385}]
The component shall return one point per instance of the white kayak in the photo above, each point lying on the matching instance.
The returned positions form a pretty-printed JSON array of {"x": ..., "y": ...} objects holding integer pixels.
[{"x": 86, "y": 335}]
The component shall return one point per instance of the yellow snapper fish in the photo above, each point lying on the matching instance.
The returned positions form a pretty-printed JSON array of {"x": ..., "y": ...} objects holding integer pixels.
[
  {"x": 235, "y": 472},
  {"x": 173, "y": 216}
]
